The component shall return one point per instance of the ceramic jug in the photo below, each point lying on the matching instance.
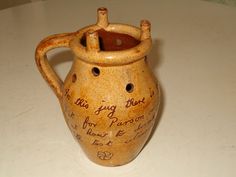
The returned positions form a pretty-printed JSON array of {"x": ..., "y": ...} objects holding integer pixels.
[{"x": 110, "y": 97}]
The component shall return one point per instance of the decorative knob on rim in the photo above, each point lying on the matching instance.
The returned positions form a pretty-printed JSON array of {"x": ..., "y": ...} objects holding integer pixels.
[{"x": 102, "y": 17}]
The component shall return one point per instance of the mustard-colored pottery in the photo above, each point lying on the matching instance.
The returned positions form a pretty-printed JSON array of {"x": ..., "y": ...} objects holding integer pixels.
[{"x": 110, "y": 97}]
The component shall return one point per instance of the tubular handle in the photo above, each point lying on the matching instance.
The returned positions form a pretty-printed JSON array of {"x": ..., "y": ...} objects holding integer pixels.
[{"x": 49, "y": 43}]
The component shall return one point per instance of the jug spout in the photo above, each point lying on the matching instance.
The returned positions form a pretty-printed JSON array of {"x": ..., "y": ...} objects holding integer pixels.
[
  {"x": 145, "y": 26},
  {"x": 92, "y": 40},
  {"x": 102, "y": 17}
]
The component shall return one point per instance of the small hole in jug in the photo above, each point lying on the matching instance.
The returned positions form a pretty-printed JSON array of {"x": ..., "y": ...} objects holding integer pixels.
[
  {"x": 95, "y": 71},
  {"x": 129, "y": 87},
  {"x": 74, "y": 78},
  {"x": 118, "y": 42}
]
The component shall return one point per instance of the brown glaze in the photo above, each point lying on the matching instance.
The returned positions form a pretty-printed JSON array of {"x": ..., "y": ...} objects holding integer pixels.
[{"x": 110, "y": 97}]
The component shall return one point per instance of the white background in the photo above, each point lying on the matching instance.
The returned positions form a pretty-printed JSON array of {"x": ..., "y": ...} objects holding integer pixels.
[{"x": 193, "y": 56}]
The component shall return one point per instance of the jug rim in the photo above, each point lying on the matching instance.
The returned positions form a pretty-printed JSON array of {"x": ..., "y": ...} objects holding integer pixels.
[{"x": 117, "y": 57}]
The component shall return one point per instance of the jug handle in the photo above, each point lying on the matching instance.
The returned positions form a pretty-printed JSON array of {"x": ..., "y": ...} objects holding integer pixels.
[{"x": 48, "y": 73}]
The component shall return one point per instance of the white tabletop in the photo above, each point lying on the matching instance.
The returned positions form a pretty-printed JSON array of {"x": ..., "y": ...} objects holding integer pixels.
[{"x": 193, "y": 56}]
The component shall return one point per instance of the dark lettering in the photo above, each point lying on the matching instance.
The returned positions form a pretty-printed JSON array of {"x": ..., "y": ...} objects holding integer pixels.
[
  {"x": 67, "y": 94},
  {"x": 120, "y": 133},
  {"x": 74, "y": 126},
  {"x": 92, "y": 133},
  {"x": 82, "y": 103},
  {"x": 72, "y": 115},
  {"x": 111, "y": 108},
  {"x": 97, "y": 143},
  {"x": 78, "y": 137},
  {"x": 116, "y": 122},
  {"x": 152, "y": 93},
  {"x": 88, "y": 123},
  {"x": 109, "y": 143},
  {"x": 131, "y": 102},
  {"x": 137, "y": 135},
  {"x": 140, "y": 126}
]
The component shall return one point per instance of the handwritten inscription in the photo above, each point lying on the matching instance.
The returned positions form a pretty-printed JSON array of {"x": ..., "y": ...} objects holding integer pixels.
[
  {"x": 99, "y": 143},
  {"x": 72, "y": 115},
  {"x": 91, "y": 132},
  {"x": 101, "y": 137},
  {"x": 67, "y": 94},
  {"x": 120, "y": 133},
  {"x": 88, "y": 123},
  {"x": 141, "y": 126},
  {"x": 131, "y": 102},
  {"x": 151, "y": 92},
  {"x": 110, "y": 108},
  {"x": 117, "y": 122},
  {"x": 82, "y": 103},
  {"x": 109, "y": 143},
  {"x": 104, "y": 155},
  {"x": 74, "y": 126},
  {"x": 69, "y": 114},
  {"x": 140, "y": 130},
  {"x": 78, "y": 137},
  {"x": 137, "y": 135}
]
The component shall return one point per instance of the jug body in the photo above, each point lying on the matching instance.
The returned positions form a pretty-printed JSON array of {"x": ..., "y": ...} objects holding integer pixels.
[
  {"x": 110, "y": 110},
  {"x": 110, "y": 97}
]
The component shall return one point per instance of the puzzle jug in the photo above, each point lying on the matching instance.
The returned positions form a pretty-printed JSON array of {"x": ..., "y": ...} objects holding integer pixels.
[{"x": 110, "y": 97}]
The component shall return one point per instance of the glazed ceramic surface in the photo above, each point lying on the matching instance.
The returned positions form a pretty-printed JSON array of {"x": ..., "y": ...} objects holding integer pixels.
[{"x": 110, "y": 97}]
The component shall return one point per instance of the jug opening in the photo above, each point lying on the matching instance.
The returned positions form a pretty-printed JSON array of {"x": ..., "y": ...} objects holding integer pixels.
[{"x": 112, "y": 41}]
